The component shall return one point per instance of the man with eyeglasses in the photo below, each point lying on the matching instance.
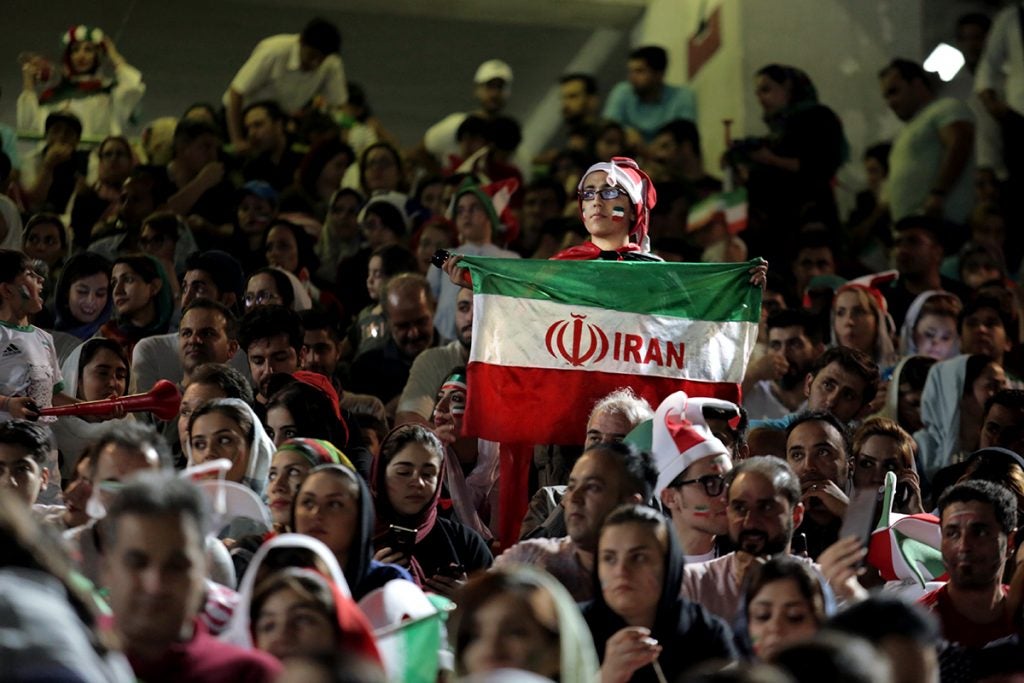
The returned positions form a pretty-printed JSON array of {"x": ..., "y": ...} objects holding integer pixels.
[
  {"x": 692, "y": 462},
  {"x": 763, "y": 509}
]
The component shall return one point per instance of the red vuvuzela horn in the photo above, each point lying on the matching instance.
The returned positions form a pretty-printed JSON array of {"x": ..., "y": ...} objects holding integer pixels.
[{"x": 163, "y": 400}]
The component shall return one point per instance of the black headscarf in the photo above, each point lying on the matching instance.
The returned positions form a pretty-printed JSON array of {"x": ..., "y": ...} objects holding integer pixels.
[{"x": 687, "y": 633}]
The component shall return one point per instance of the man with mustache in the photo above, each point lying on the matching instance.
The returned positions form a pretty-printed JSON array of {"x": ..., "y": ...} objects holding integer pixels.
[
  {"x": 764, "y": 507},
  {"x": 979, "y": 521},
  {"x": 774, "y": 385}
]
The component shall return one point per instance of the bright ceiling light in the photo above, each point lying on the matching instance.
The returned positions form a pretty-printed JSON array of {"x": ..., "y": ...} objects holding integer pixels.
[{"x": 945, "y": 60}]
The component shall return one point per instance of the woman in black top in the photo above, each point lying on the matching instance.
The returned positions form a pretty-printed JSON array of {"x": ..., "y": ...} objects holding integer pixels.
[
  {"x": 638, "y": 620},
  {"x": 406, "y": 485}
]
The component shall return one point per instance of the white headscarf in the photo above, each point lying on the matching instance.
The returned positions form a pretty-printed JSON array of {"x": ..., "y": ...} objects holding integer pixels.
[
  {"x": 261, "y": 450},
  {"x": 237, "y": 630},
  {"x": 11, "y": 216}
]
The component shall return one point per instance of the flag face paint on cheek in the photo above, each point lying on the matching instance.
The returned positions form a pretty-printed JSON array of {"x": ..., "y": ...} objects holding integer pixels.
[
  {"x": 701, "y": 511},
  {"x": 618, "y": 213}
]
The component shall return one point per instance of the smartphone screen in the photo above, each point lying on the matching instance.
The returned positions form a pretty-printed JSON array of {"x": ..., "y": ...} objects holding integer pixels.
[{"x": 860, "y": 516}]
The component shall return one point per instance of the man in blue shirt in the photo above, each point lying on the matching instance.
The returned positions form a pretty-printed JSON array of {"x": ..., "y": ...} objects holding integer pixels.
[{"x": 644, "y": 102}]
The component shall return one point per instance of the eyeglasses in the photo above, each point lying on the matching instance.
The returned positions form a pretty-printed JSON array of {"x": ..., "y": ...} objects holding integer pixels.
[
  {"x": 714, "y": 484},
  {"x": 606, "y": 193},
  {"x": 259, "y": 298}
]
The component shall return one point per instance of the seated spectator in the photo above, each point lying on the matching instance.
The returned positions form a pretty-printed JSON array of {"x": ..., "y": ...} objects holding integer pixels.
[
  {"x": 102, "y": 371},
  {"x": 815, "y": 256},
  {"x": 1003, "y": 420},
  {"x": 903, "y": 395},
  {"x": 144, "y": 192},
  {"x": 977, "y": 520},
  {"x": 228, "y": 428},
  {"x": 162, "y": 233},
  {"x": 637, "y": 617},
  {"x": 989, "y": 325},
  {"x": 492, "y": 85},
  {"x": 203, "y": 194},
  {"x": 103, "y": 106},
  {"x": 383, "y": 222},
  {"x": 833, "y": 657},
  {"x": 952, "y": 406},
  {"x": 142, "y": 301},
  {"x": 765, "y": 506},
  {"x": 929, "y": 328},
  {"x": 331, "y": 621},
  {"x": 842, "y": 381},
  {"x": 271, "y": 158},
  {"x": 291, "y": 464},
  {"x": 322, "y": 343},
  {"x": 49, "y": 175},
  {"x": 78, "y": 492},
  {"x": 271, "y": 337},
  {"x": 675, "y": 155},
  {"x": 406, "y": 485},
  {"x": 83, "y": 300},
  {"x": 256, "y": 209},
  {"x": 289, "y": 247},
  {"x": 905, "y": 633},
  {"x": 290, "y": 69},
  {"x": 318, "y": 177},
  {"x": 275, "y": 286},
  {"x": 46, "y": 240},
  {"x": 556, "y": 641},
  {"x": 370, "y": 329},
  {"x": 156, "y": 521},
  {"x": 301, "y": 410},
  {"x": 543, "y": 200},
  {"x": 340, "y": 237},
  {"x": 784, "y": 602},
  {"x": 817, "y": 448},
  {"x": 920, "y": 244},
  {"x": 333, "y": 504},
  {"x": 644, "y": 102},
  {"x": 24, "y": 452},
  {"x": 99, "y": 201},
  {"x": 381, "y": 170},
  {"x": 861, "y": 321},
  {"x": 981, "y": 263},
  {"x": 471, "y": 464},
  {"x": 607, "y": 475},
  {"x": 409, "y": 309},
  {"x": 209, "y": 381},
  {"x": 880, "y": 446},
  {"x": 774, "y": 385}
]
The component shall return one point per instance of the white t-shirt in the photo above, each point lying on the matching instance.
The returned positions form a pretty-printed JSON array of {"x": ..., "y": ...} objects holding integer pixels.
[{"x": 273, "y": 72}]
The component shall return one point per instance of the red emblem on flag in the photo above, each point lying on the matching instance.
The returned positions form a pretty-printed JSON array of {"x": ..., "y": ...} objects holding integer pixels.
[{"x": 586, "y": 342}]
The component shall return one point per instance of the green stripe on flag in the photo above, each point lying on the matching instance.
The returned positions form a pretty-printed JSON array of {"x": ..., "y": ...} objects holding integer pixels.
[{"x": 719, "y": 292}]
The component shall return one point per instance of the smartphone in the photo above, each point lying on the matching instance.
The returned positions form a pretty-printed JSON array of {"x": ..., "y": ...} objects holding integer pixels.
[
  {"x": 452, "y": 571},
  {"x": 402, "y": 539},
  {"x": 860, "y": 516},
  {"x": 439, "y": 257}
]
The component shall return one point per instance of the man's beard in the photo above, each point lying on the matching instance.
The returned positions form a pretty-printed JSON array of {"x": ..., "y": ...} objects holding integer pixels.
[
  {"x": 758, "y": 543},
  {"x": 793, "y": 378}
]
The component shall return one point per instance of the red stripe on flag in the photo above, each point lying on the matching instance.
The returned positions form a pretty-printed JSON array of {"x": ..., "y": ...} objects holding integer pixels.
[{"x": 535, "y": 406}]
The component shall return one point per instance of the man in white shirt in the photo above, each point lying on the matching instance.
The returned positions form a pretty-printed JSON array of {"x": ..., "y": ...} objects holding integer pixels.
[
  {"x": 999, "y": 82},
  {"x": 492, "y": 87},
  {"x": 290, "y": 69}
]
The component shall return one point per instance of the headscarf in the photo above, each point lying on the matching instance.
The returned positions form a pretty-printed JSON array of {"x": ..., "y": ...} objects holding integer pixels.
[
  {"x": 578, "y": 660},
  {"x": 163, "y": 307},
  {"x": 301, "y": 300},
  {"x": 261, "y": 448},
  {"x": 625, "y": 173},
  {"x": 355, "y": 634},
  {"x": 673, "y": 615},
  {"x": 238, "y": 629},
  {"x": 891, "y": 408},
  {"x": 908, "y": 347},
  {"x": 317, "y": 452},
  {"x": 386, "y": 514},
  {"x": 12, "y": 217},
  {"x": 328, "y": 249},
  {"x": 359, "y": 559},
  {"x": 939, "y": 440}
]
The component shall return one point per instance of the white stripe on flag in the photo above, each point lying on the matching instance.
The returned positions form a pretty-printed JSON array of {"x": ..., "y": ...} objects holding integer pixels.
[{"x": 534, "y": 333}]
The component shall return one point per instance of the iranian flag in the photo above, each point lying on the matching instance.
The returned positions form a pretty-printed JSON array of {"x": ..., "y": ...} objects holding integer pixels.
[{"x": 550, "y": 338}]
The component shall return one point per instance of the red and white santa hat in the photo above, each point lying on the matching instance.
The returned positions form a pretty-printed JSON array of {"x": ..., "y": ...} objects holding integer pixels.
[
  {"x": 680, "y": 436},
  {"x": 625, "y": 173}
]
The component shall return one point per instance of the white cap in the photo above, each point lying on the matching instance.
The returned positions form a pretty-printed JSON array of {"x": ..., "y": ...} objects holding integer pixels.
[{"x": 491, "y": 69}]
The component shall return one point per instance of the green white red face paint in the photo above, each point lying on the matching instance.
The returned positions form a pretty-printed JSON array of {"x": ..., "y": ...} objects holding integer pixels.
[{"x": 618, "y": 213}]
